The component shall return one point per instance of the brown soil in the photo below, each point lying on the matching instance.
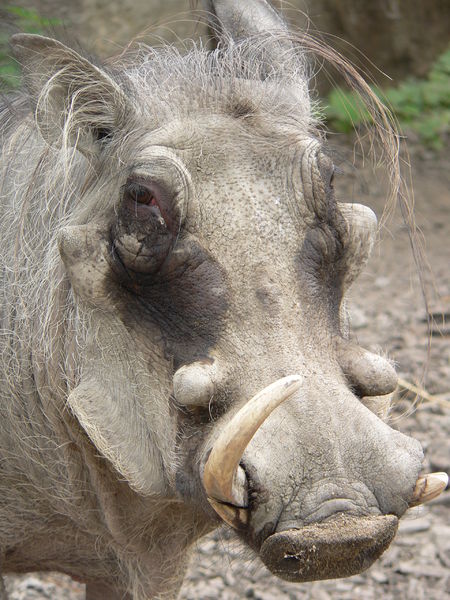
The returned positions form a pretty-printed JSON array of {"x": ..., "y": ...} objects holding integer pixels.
[{"x": 388, "y": 313}]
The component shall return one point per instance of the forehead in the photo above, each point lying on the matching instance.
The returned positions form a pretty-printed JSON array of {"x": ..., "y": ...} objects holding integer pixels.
[
  {"x": 215, "y": 130},
  {"x": 248, "y": 183},
  {"x": 221, "y": 150}
]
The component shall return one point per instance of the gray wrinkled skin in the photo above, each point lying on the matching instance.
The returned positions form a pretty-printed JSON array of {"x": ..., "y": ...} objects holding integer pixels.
[{"x": 242, "y": 267}]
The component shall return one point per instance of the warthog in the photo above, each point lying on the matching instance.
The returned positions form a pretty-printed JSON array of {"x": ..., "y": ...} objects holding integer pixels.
[{"x": 174, "y": 345}]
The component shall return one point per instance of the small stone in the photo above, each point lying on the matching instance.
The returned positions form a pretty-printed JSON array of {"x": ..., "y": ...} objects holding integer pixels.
[
  {"x": 444, "y": 557},
  {"x": 229, "y": 578},
  {"x": 228, "y": 595},
  {"x": 268, "y": 595},
  {"x": 207, "y": 547},
  {"x": 382, "y": 282},
  {"x": 379, "y": 576},
  {"x": 32, "y": 588},
  {"x": 343, "y": 586},
  {"x": 414, "y": 526},
  {"x": 418, "y": 570},
  {"x": 442, "y": 533},
  {"x": 439, "y": 460},
  {"x": 216, "y": 583},
  {"x": 355, "y": 579},
  {"x": 318, "y": 593}
]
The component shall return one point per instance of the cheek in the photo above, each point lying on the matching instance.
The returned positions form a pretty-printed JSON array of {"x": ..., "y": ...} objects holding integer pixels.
[
  {"x": 321, "y": 265},
  {"x": 186, "y": 301}
]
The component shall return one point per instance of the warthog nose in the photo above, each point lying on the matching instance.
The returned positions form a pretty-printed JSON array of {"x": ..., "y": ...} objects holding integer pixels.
[{"x": 340, "y": 547}]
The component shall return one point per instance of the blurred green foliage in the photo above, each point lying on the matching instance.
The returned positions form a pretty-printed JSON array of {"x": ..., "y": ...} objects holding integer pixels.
[
  {"x": 24, "y": 20},
  {"x": 420, "y": 105}
]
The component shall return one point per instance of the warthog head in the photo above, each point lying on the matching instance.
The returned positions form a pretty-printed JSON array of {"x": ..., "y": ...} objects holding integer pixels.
[{"x": 208, "y": 261}]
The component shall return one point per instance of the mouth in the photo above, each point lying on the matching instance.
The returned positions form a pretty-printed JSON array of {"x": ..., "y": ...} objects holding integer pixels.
[
  {"x": 341, "y": 547},
  {"x": 335, "y": 545}
]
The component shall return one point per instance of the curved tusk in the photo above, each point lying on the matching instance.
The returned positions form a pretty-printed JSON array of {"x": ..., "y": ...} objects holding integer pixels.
[
  {"x": 233, "y": 515},
  {"x": 223, "y": 479},
  {"x": 428, "y": 487}
]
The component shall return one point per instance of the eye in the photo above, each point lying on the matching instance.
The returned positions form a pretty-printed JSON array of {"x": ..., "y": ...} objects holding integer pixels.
[
  {"x": 331, "y": 180},
  {"x": 145, "y": 204},
  {"x": 327, "y": 171},
  {"x": 143, "y": 233},
  {"x": 140, "y": 194}
]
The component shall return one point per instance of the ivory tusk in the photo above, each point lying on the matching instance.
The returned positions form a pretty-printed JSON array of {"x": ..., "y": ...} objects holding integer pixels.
[
  {"x": 233, "y": 515},
  {"x": 428, "y": 487},
  {"x": 223, "y": 479}
]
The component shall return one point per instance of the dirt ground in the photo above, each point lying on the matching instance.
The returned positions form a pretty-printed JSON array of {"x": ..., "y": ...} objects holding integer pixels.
[{"x": 388, "y": 314}]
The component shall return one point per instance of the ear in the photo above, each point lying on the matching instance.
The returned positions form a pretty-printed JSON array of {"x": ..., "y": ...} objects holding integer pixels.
[
  {"x": 74, "y": 100},
  {"x": 238, "y": 21},
  {"x": 270, "y": 45}
]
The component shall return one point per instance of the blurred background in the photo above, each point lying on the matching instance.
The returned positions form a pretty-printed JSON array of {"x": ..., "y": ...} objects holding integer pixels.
[
  {"x": 402, "y": 45},
  {"x": 407, "y": 40},
  {"x": 401, "y": 37}
]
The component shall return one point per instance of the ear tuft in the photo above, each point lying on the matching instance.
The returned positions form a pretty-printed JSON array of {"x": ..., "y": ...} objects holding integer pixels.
[{"x": 73, "y": 99}]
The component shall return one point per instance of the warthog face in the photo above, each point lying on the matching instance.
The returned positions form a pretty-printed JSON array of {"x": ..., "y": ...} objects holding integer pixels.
[{"x": 209, "y": 260}]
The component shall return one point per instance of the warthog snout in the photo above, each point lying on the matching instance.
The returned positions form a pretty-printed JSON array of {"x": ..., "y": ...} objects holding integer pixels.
[
  {"x": 352, "y": 522},
  {"x": 341, "y": 547}
]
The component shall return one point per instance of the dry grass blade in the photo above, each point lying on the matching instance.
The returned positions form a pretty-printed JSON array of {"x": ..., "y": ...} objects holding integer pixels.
[{"x": 402, "y": 383}]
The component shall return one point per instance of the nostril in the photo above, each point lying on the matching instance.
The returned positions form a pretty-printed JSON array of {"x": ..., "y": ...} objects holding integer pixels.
[{"x": 195, "y": 384}]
